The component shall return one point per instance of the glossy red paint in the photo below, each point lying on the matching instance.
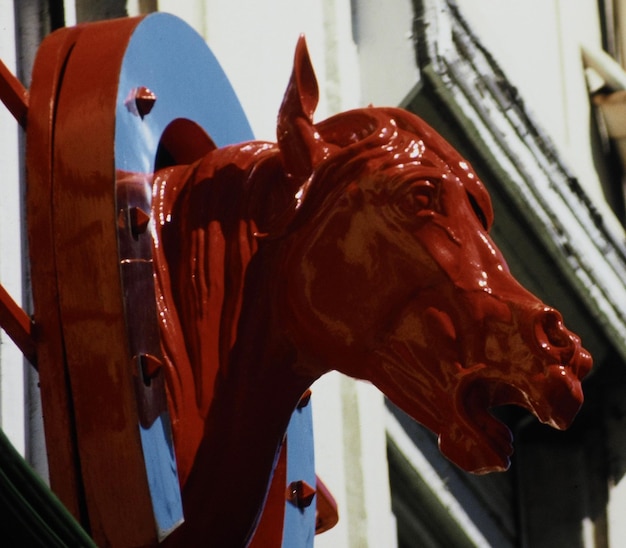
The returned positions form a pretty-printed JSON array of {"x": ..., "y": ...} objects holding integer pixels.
[
  {"x": 55, "y": 388},
  {"x": 87, "y": 388},
  {"x": 81, "y": 309},
  {"x": 359, "y": 244}
]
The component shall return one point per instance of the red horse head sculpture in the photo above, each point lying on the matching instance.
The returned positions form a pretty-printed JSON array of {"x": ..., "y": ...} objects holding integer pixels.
[{"x": 359, "y": 244}]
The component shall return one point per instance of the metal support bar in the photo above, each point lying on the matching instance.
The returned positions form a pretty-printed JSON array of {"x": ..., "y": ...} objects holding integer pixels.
[
  {"x": 13, "y": 319},
  {"x": 13, "y": 94},
  {"x": 17, "y": 325}
]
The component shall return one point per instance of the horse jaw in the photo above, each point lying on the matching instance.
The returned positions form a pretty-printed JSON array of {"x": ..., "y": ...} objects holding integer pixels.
[
  {"x": 461, "y": 416},
  {"x": 439, "y": 373},
  {"x": 477, "y": 441}
]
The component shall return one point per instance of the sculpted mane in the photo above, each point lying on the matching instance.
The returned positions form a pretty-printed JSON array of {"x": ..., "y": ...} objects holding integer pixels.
[
  {"x": 205, "y": 238},
  {"x": 383, "y": 141}
]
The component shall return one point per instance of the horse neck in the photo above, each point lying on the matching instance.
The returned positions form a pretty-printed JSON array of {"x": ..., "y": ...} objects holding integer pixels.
[
  {"x": 203, "y": 251},
  {"x": 231, "y": 379},
  {"x": 236, "y": 371},
  {"x": 234, "y": 463}
]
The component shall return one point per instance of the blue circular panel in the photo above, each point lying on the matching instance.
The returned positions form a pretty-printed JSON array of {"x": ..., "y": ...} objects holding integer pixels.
[{"x": 169, "y": 58}]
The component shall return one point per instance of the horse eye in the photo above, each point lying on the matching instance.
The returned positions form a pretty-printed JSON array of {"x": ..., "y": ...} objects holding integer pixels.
[
  {"x": 419, "y": 197},
  {"x": 478, "y": 211}
]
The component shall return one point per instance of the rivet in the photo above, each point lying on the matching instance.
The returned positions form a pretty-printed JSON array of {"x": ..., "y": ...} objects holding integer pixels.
[
  {"x": 149, "y": 366},
  {"x": 300, "y": 494},
  {"x": 139, "y": 220},
  {"x": 140, "y": 101},
  {"x": 305, "y": 399}
]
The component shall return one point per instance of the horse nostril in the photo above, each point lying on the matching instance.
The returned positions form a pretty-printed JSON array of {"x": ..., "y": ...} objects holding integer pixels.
[
  {"x": 554, "y": 329},
  {"x": 553, "y": 336}
]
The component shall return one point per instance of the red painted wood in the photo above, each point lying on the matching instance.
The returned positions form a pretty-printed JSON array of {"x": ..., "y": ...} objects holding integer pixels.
[
  {"x": 56, "y": 391},
  {"x": 90, "y": 293},
  {"x": 79, "y": 310}
]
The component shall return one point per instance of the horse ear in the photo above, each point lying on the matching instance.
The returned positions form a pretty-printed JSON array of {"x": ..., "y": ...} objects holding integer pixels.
[{"x": 300, "y": 144}]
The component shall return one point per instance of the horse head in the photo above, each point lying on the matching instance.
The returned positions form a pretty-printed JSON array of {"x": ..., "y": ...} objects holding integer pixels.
[
  {"x": 391, "y": 276},
  {"x": 360, "y": 244}
]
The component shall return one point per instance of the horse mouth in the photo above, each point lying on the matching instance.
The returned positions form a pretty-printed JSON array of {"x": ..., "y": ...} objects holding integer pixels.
[{"x": 554, "y": 399}]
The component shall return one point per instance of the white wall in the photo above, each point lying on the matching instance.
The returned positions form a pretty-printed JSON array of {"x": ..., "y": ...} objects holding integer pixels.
[
  {"x": 12, "y": 374},
  {"x": 386, "y": 51},
  {"x": 537, "y": 44},
  {"x": 254, "y": 42}
]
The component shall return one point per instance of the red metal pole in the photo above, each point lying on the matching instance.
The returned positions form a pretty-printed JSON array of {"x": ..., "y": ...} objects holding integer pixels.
[
  {"x": 17, "y": 325},
  {"x": 13, "y": 94},
  {"x": 13, "y": 319}
]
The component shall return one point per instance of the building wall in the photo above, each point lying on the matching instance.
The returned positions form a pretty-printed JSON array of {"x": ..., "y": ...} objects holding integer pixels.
[{"x": 538, "y": 45}]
